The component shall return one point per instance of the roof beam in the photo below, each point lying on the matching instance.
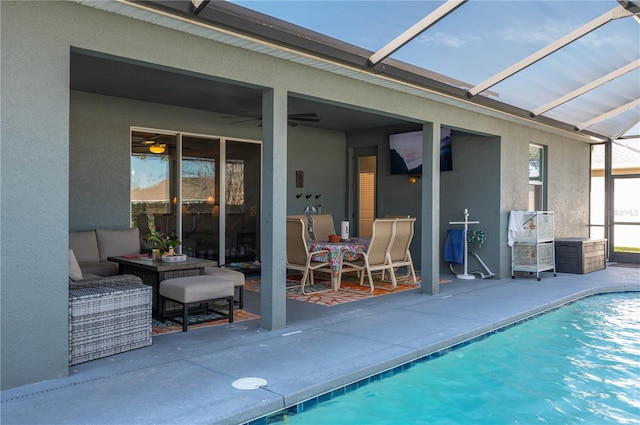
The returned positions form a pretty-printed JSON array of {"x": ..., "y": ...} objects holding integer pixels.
[
  {"x": 418, "y": 28},
  {"x": 626, "y": 129},
  {"x": 630, "y": 5},
  {"x": 616, "y": 13},
  {"x": 586, "y": 88},
  {"x": 606, "y": 116},
  {"x": 197, "y": 6}
]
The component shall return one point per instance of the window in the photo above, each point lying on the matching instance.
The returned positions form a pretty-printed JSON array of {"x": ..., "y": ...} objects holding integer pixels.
[{"x": 536, "y": 178}]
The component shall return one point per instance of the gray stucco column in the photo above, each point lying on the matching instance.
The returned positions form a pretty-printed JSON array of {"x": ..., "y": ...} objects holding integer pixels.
[
  {"x": 274, "y": 210},
  {"x": 431, "y": 209},
  {"x": 34, "y": 165}
]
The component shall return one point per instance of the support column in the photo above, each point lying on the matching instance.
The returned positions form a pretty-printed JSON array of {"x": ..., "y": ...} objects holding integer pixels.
[
  {"x": 608, "y": 197},
  {"x": 431, "y": 209},
  {"x": 273, "y": 308}
]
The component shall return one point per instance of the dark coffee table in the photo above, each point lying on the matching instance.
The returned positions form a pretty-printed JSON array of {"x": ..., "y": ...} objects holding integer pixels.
[{"x": 152, "y": 272}]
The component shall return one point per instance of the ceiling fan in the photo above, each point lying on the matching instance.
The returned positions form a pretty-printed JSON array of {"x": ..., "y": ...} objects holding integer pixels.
[
  {"x": 152, "y": 142},
  {"x": 292, "y": 119}
]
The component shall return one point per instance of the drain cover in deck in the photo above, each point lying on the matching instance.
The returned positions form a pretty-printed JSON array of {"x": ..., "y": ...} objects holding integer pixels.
[{"x": 249, "y": 383}]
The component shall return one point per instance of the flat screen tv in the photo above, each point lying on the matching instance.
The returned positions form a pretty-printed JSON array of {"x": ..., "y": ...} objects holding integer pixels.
[{"x": 405, "y": 152}]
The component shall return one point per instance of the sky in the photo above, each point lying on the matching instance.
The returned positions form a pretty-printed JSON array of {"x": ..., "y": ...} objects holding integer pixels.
[
  {"x": 148, "y": 170},
  {"x": 481, "y": 38}
]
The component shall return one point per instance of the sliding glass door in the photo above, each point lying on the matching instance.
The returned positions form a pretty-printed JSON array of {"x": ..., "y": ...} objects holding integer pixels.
[
  {"x": 204, "y": 189},
  {"x": 152, "y": 186},
  {"x": 242, "y": 201},
  {"x": 199, "y": 197}
]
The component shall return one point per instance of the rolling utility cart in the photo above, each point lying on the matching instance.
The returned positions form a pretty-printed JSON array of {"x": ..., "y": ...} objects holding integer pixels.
[{"x": 532, "y": 242}]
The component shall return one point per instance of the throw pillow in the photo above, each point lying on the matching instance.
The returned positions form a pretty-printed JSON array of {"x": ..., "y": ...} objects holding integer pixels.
[{"x": 75, "y": 273}]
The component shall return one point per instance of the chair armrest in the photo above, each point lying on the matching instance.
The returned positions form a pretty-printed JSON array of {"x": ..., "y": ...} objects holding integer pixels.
[{"x": 320, "y": 255}]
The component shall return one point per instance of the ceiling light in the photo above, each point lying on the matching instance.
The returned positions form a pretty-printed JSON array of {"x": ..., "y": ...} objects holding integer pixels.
[{"x": 157, "y": 148}]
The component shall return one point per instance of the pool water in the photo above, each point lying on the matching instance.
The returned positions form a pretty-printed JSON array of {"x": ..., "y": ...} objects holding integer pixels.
[{"x": 579, "y": 364}]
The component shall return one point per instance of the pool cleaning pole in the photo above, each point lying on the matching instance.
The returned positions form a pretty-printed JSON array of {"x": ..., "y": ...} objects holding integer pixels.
[{"x": 466, "y": 223}]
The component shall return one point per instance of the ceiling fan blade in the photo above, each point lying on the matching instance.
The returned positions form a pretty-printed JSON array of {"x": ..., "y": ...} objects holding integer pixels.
[
  {"x": 304, "y": 115},
  {"x": 250, "y": 114},
  {"x": 291, "y": 118},
  {"x": 241, "y": 121}
]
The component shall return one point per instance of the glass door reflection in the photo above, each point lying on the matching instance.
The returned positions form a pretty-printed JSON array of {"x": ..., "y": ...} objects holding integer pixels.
[
  {"x": 243, "y": 168},
  {"x": 200, "y": 197}
]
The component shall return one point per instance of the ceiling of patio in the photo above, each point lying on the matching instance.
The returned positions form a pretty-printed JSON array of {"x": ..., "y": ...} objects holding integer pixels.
[{"x": 120, "y": 77}]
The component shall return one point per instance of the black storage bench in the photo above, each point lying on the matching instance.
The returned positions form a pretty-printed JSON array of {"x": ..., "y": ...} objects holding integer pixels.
[{"x": 580, "y": 255}]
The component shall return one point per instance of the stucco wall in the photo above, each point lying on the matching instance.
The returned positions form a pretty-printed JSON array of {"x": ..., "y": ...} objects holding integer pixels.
[
  {"x": 568, "y": 179},
  {"x": 34, "y": 215},
  {"x": 473, "y": 184},
  {"x": 567, "y": 182},
  {"x": 320, "y": 154}
]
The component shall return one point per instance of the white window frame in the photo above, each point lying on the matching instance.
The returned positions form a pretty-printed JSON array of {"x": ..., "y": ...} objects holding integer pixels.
[{"x": 539, "y": 200}]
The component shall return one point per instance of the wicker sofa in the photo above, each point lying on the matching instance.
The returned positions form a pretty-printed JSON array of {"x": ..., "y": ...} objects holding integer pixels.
[
  {"x": 91, "y": 249},
  {"x": 108, "y": 315}
]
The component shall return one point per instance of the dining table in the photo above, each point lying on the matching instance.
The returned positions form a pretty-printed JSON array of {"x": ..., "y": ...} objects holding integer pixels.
[{"x": 336, "y": 250}]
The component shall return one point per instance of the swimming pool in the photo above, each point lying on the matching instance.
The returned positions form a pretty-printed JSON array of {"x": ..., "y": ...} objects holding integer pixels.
[{"x": 577, "y": 364}]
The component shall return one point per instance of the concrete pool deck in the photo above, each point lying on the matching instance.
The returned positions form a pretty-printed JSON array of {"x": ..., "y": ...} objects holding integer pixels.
[{"x": 186, "y": 378}]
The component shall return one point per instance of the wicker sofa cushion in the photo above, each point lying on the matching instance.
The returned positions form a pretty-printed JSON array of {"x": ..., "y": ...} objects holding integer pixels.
[
  {"x": 85, "y": 246},
  {"x": 75, "y": 273},
  {"x": 114, "y": 242},
  {"x": 98, "y": 268}
]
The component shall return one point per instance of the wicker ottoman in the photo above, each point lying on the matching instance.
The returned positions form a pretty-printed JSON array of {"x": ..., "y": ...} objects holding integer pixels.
[{"x": 108, "y": 315}]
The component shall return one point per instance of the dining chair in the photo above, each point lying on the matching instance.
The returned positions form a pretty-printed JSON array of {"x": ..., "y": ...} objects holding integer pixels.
[
  {"x": 323, "y": 226},
  {"x": 305, "y": 223},
  {"x": 298, "y": 255},
  {"x": 376, "y": 258},
  {"x": 399, "y": 252}
]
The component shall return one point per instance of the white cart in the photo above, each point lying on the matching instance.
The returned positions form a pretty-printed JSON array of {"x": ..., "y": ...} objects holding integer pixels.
[{"x": 533, "y": 248}]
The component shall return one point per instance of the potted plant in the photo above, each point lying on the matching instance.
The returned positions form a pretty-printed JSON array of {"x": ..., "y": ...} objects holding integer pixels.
[{"x": 164, "y": 243}]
